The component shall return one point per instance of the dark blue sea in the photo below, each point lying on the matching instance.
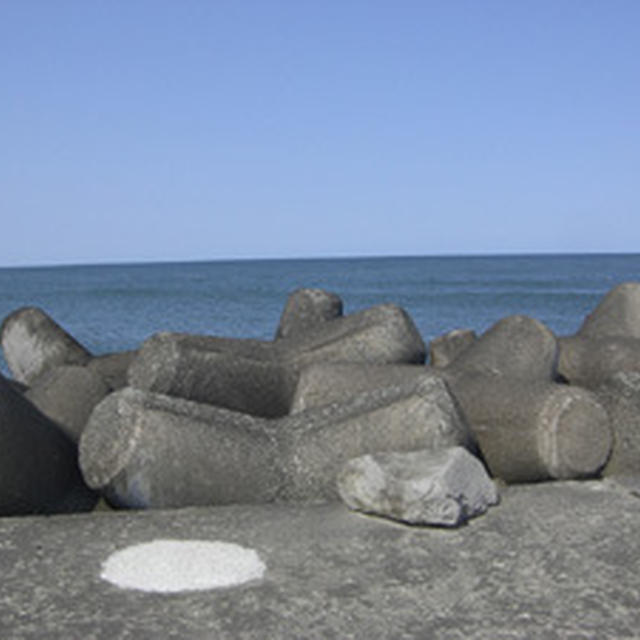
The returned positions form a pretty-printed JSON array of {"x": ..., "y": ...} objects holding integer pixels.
[{"x": 114, "y": 307}]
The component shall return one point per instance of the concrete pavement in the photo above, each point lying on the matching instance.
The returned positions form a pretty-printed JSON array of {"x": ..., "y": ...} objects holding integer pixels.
[{"x": 552, "y": 560}]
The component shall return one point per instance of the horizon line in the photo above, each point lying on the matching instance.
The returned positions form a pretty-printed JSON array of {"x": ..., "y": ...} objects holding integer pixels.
[{"x": 151, "y": 262}]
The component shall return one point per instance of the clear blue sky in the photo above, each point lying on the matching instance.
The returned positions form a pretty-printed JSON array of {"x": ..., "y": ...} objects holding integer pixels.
[{"x": 187, "y": 129}]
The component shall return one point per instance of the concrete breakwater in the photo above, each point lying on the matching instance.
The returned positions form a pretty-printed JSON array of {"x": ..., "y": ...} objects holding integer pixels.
[{"x": 335, "y": 406}]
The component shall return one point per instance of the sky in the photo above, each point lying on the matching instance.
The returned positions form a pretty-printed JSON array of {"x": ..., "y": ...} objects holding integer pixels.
[{"x": 153, "y": 130}]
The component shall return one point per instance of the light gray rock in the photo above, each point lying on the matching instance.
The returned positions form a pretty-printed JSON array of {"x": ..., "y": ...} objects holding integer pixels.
[
  {"x": 113, "y": 367},
  {"x": 530, "y": 430},
  {"x": 38, "y": 462},
  {"x": 148, "y": 450},
  {"x": 260, "y": 377},
  {"x": 444, "y": 349},
  {"x": 307, "y": 308},
  {"x": 67, "y": 395},
  {"x": 620, "y": 395},
  {"x": 329, "y": 383},
  {"x": 33, "y": 343},
  {"x": 445, "y": 487}
]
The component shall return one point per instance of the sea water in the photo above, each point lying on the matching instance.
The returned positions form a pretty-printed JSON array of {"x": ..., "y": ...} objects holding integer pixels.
[{"x": 115, "y": 307}]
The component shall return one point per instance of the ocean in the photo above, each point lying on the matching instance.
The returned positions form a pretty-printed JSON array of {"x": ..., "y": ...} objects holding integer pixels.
[{"x": 115, "y": 307}]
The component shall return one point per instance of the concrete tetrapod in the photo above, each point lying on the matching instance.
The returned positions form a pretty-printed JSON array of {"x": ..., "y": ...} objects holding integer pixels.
[
  {"x": 620, "y": 395},
  {"x": 420, "y": 414},
  {"x": 259, "y": 377},
  {"x": 306, "y": 308},
  {"x": 608, "y": 341},
  {"x": 591, "y": 362},
  {"x": 67, "y": 395},
  {"x": 143, "y": 449},
  {"x": 617, "y": 314},
  {"x": 38, "y": 464},
  {"x": 242, "y": 375},
  {"x": 335, "y": 382},
  {"x": 113, "y": 367},
  {"x": 444, "y": 349},
  {"x": 529, "y": 430},
  {"x": 34, "y": 343},
  {"x": 516, "y": 346}
]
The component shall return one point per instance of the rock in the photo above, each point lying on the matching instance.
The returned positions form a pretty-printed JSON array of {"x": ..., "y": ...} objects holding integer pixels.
[
  {"x": 444, "y": 349},
  {"x": 620, "y": 395},
  {"x": 328, "y": 383},
  {"x": 144, "y": 449},
  {"x": 38, "y": 462},
  {"x": 307, "y": 308},
  {"x": 530, "y": 430},
  {"x": 259, "y": 377},
  {"x": 113, "y": 367},
  {"x": 516, "y": 346},
  {"x": 67, "y": 395},
  {"x": 33, "y": 343},
  {"x": 444, "y": 487},
  {"x": 617, "y": 314}
]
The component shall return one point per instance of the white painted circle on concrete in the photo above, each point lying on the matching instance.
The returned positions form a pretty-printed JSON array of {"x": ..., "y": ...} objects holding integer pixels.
[{"x": 171, "y": 566}]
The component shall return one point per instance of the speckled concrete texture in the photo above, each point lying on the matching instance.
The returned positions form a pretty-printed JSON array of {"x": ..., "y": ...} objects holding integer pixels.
[{"x": 553, "y": 560}]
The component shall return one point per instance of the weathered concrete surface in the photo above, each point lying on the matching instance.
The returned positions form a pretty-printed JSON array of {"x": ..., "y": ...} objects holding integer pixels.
[
  {"x": 113, "y": 367},
  {"x": 516, "y": 346},
  {"x": 552, "y": 561},
  {"x": 39, "y": 470},
  {"x": 319, "y": 441},
  {"x": 617, "y": 314},
  {"x": 334, "y": 382},
  {"x": 150, "y": 450},
  {"x": 67, "y": 395},
  {"x": 259, "y": 377},
  {"x": 237, "y": 374},
  {"x": 591, "y": 362},
  {"x": 621, "y": 398},
  {"x": 444, "y": 349},
  {"x": 608, "y": 341},
  {"x": 33, "y": 343},
  {"x": 529, "y": 430},
  {"x": 307, "y": 308}
]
